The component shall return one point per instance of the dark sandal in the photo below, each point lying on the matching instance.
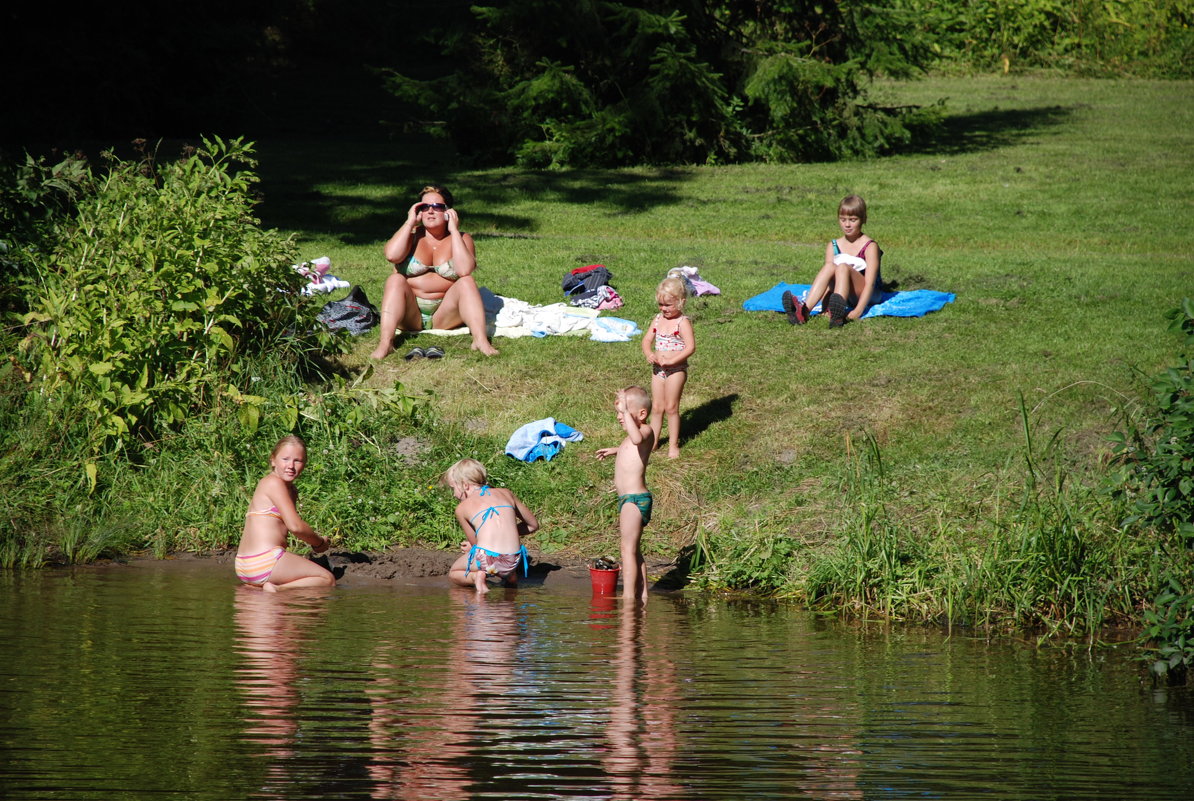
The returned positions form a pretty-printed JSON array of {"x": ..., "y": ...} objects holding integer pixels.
[
  {"x": 434, "y": 352},
  {"x": 415, "y": 353}
]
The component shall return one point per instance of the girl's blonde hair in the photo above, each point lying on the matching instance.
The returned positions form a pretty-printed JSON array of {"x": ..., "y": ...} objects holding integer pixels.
[
  {"x": 289, "y": 439},
  {"x": 852, "y": 206},
  {"x": 466, "y": 471},
  {"x": 672, "y": 287}
]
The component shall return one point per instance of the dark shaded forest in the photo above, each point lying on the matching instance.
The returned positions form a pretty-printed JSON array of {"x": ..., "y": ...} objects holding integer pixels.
[
  {"x": 567, "y": 83},
  {"x": 119, "y": 71}
]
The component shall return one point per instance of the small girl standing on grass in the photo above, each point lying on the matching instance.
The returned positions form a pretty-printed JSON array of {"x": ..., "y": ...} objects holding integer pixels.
[
  {"x": 850, "y": 275},
  {"x": 262, "y": 559},
  {"x": 673, "y": 339}
]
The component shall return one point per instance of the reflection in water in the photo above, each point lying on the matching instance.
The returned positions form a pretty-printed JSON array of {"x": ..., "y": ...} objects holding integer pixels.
[
  {"x": 642, "y": 727},
  {"x": 438, "y": 727},
  {"x": 270, "y": 630},
  {"x": 403, "y": 694}
]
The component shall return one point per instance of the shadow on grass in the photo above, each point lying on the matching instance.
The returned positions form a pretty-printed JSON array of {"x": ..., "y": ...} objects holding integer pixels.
[
  {"x": 696, "y": 421},
  {"x": 678, "y": 577},
  {"x": 988, "y": 130},
  {"x": 359, "y": 191}
]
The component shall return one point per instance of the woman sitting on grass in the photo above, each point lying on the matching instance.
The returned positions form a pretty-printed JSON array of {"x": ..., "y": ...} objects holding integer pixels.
[{"x": 432, "y": 284}]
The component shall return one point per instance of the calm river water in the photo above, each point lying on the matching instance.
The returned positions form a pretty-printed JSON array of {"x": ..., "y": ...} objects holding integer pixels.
[{"x": 170, "y": 682}]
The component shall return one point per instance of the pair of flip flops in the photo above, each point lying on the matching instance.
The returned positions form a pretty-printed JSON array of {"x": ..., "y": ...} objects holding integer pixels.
[{"x": 430, "y": 353}]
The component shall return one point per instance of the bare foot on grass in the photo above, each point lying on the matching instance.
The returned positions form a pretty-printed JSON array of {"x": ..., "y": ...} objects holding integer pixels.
[{"x": 486, "y": 348}]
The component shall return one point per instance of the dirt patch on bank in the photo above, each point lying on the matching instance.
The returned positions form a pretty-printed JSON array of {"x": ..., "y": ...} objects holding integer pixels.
[{"x": 428, "y": 566}]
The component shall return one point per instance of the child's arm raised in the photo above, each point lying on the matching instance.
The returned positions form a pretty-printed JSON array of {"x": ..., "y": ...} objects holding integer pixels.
[{"x": 634, "y": 429}]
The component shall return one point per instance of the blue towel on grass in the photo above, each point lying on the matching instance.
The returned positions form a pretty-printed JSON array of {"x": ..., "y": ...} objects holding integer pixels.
[
  {"x": 909, "y": 303},
  {"x": 541, "y": 439}
]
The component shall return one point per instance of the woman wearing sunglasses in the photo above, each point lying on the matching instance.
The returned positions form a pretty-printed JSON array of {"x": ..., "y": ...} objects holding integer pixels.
[{"x": 432, "y": 285}]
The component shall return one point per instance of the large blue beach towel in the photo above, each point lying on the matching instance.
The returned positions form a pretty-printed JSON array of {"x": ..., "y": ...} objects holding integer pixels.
[{"x": 909, "y": 303}]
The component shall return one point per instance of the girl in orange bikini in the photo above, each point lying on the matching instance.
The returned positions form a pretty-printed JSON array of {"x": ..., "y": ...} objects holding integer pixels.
[{"x": 262, "y": 559}]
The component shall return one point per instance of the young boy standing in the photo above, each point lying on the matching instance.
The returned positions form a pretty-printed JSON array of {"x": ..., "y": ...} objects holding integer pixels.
[{"x": 633, "y": 406}]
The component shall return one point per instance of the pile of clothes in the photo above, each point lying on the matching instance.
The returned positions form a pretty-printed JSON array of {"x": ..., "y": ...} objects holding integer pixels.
[
  {"x": 321, "y": 280},
  {"x": 541, "y": 439},
  {"x": 354, "y": 313},
  {"x": 693, "y": 281},
  {"x": 589, "y": 288}
]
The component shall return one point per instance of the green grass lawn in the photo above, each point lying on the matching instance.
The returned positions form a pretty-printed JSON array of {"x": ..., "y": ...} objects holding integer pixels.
[{"x": 1056, "y": 210}]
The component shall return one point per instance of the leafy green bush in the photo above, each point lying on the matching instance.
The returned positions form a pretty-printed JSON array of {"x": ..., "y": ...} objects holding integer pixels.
[
  {"x": 1169, "y": 625},
  {"x": 156, "y": 293},
  {"x": 1156, "y": 475},
  {"x": 1157, "y": 453},
  {"x": 1102, "y": 37},
  {"x": 34, "y": 198}
]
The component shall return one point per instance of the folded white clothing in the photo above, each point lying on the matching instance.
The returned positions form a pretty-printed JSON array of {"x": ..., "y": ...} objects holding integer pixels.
[
  {"x": 328, "y": 283},
  {"x": 853, "y": 261}
]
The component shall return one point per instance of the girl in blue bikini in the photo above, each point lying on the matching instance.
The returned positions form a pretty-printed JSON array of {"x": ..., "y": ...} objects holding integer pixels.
[{"x": 493, "y": 520}]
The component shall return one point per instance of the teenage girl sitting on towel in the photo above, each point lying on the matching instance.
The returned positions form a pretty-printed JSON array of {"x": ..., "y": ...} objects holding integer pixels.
[
  {"x": 493, "y": 519},
  {"x": 848, "y": 282}
]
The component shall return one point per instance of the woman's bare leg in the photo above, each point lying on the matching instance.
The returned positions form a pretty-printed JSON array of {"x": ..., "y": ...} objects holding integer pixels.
[
  {"x": 398, "y": 310},
  {"x": 462, "y": 306}
]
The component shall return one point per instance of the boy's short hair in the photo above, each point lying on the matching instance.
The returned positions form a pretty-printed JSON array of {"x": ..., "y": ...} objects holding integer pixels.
[
  {"x": 466, "y": 471},
  {"x": 637, "y": 397},
  {"x": 672, "y": 287},
  {"x": 852, "y": 206}
]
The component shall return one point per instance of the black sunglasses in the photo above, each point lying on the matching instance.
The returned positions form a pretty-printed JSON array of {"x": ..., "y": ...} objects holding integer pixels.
[{"x": 432, "y": 207}]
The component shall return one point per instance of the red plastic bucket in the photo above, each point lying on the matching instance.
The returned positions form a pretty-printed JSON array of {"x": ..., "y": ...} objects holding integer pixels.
[{"x": 605, "y": 582}]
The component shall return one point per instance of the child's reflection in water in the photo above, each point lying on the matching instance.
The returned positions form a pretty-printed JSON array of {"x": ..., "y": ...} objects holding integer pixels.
[
  {"x": 641, "y": 735},
  {"x": 270, "y": 629},
  {"x": 424, "y": 744}
]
